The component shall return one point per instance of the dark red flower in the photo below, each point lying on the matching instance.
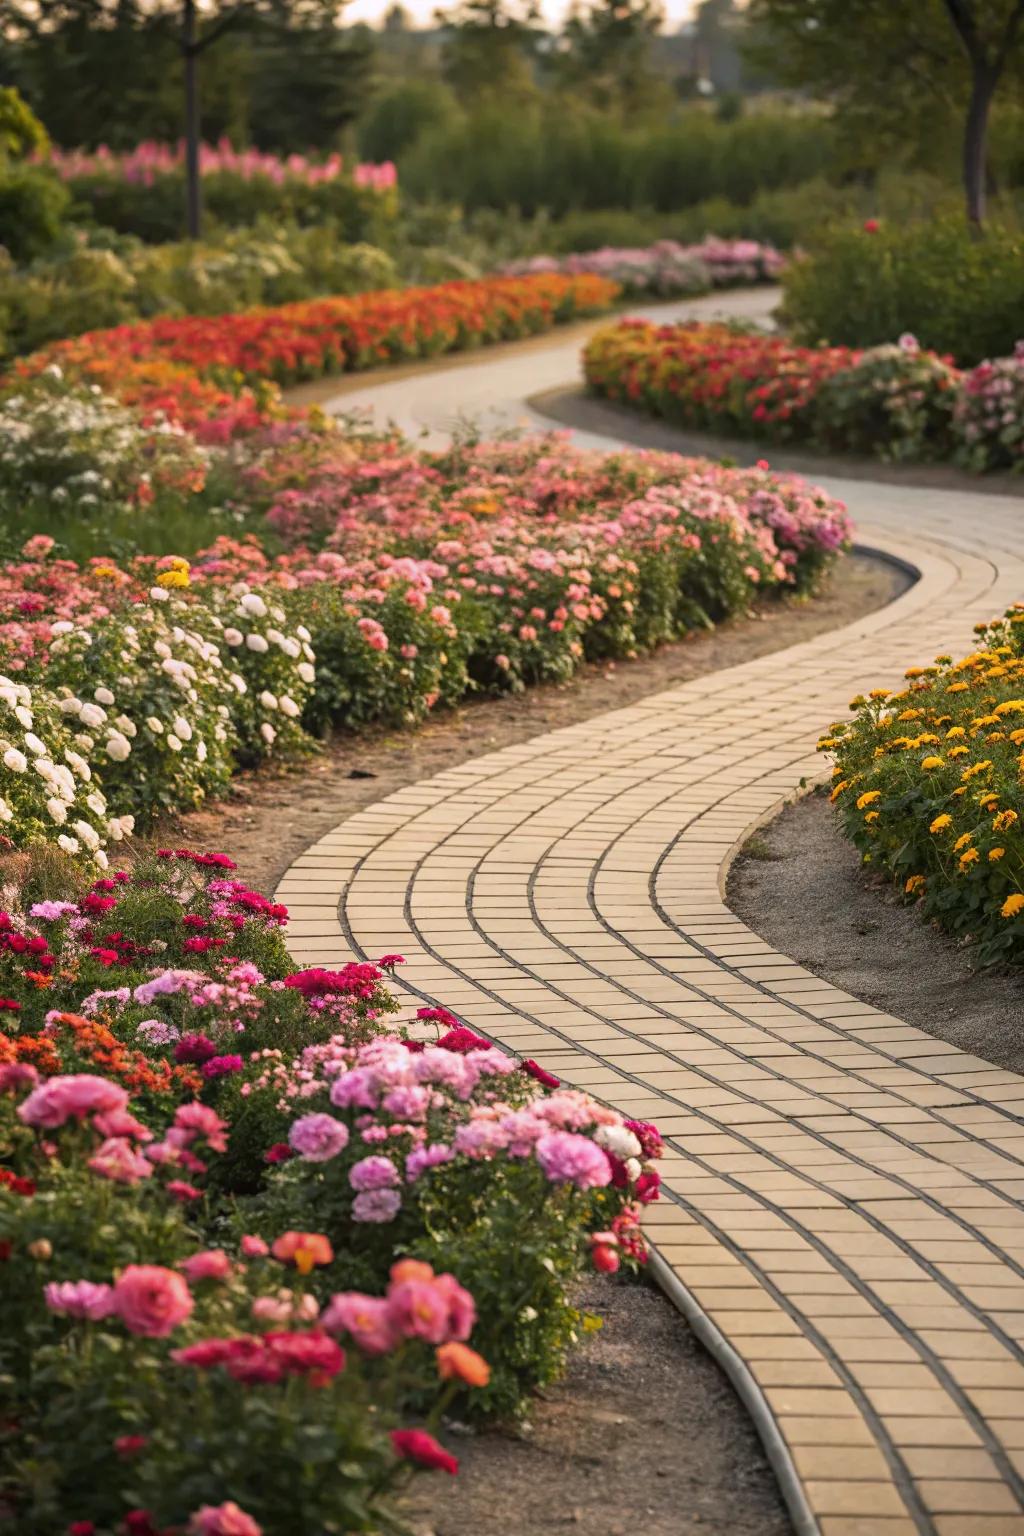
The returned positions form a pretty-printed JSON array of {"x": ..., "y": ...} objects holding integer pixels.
[
  {"x": 648, "y": 1187},
  {"x": 130, "y": 1445},
  {"x": 871, "y": 226},
  {"x": 280, "y": 1152},
  {"x": 194, "y": 1049},
  {"x": 416, "y": 1445},
  {"x": 222, "y": 1066},
  {"x": 535, "y": 1070},
  {"x": 81, "y": 1528},
  {"x": 462, "y": 1041},
  {"x": 648, "y": 1135}
]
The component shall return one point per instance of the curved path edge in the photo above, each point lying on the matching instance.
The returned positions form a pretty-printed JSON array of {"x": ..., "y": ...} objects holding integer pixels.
[{"x": 842, "y": 1220}]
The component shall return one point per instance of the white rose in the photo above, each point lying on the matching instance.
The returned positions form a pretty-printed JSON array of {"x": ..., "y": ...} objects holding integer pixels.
[
  {"x": 268, "y": 733},
  {"x": 96, "y": 802},
  {"x": 201, "y": 751},
  {"x": 162, "y": 649},
  {"x": 16, "y": 761},
  {"x": 302, "y": 632},
  {"x": 78, "y": 765},
  {"x": 127, "y": 824},
  {"x": 238, "y": 683},
  {"x": 619, "y": 1141},
  {"x": 114, "y": 829},
  {"x": 70, "y": 706},
  {"x": 291, "y": 648},
  {"x": 233, "y": 636},
  {"x": 155, "y": 725},
  {"x": 306, "y": 672},
  {"x": 257, "y": 643},
  {"x": 6, "y": 814},
  {"x": 69, "y": 844},
  {"x": 289, "y": 707},
  {"x": 90, "y": 837},
  {"x": 268, "y": 700},
  {"x": 182, "y": 728},
  {"x": 159, "y": 594},
  {"x": 92, "y": 715},
  {"x": 118, "y": 747},
  {"x": 62, "y": 627},
  {"x": 56, "y": 810},
  {"x": 125, "y": 726},
  {"x": 103, "y": 695},
  {"x": 23, "y": 716},
  {"x": 37, "y": 747},
  {"x": 173, "y": 742},
  {"x": 633, "y": 1169},
  {"x": 101, "y": 859},
  {"x": 275, "y": 637},
  {"x": 254, "y": 604}
]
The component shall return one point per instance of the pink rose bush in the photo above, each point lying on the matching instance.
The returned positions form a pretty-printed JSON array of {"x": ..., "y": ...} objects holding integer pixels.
[
  {"x": 667, "y": 269},
  {"x": 161, "y": 1224}
]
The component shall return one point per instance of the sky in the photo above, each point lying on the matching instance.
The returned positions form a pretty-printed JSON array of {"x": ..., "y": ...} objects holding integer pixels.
[{"x": 422, "y": 11}]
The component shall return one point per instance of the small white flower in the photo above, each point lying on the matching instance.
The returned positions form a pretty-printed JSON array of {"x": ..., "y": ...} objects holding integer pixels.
[
  {"x": 62, "y": 627},
  {"x": 6, "y": 814},
  {"x": 127, "y": 824},
  {"x": 92, "y": 715},
  {"x": 257, "y": 643},
  {"x": 96, "y": 802},
  {"x": 103, "y": 695},
  {"x": 159, "y": 594},
  {"x": 291, "y": 648},
  {"x": 268, "y": 700},
  {"x": 254, "y": 604},
  {"x": 173, "y": 742},
  {"x": 70, "y": 706},
  {"x": 118, "y": 747},
  {"x": 125, "y": 726},
  {"x": 268, "y": 733},
  {"x": 306, "y": 672},
  {"x": 182, "y": 729},
  {"x": 162, "y": 649},
  {"x": 233, "y": 636},
  {"x": 89, "y": 836},
  {"x": 35, "y": 746},
  {"x": 288, "y": 707},
  {"x": 16, "y": 761},
  {"x": 617, "y": 1140},
  {"x": 155, "y": 725},
  {"x": 56, "y": 810},
  {"x": 302, "y": 632},
  {"x": 101, "y": 859},
  {"x": 238, "y": 684},
  {"x": 23, "y": 716},
  {"x": 78, "y": 764},
  {"x": 69, "y": 844}
]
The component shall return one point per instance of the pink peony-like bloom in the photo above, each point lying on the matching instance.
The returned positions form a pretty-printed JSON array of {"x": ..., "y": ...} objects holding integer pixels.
[
  {"x": 199, "y": 1120},
  {"x": 62, "y": 1098},
  {"x": 223, "y": 1520},
  {"x": 373, "y": 1173},
  {"x": 209, "y": 1264},
  {"x": 118, "y": 1122},
  {"x": 366, "y": 1319},
  {"x": 418, "y": 1309},
  {"x": 461, "y": 1307},
  {"x": 254, "y": 1247},
  {"x": 15, "y": 1076},
  {"x": 376, "y": 1205},
  {"x": 118, "y": 1160},
  {"x": 422, "y": 1158},
  {"x": 151, "y": 1301},
  {"x": 80, "y": 1298},
  {"x": 317, "y": 1138},
  {"x": 566, "y": 1158}
]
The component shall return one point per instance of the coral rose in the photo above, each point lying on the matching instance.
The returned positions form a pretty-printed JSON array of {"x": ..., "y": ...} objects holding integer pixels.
[{"x": 151, "y": 1300}]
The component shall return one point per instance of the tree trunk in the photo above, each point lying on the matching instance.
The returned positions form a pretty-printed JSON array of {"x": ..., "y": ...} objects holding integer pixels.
[
  {"x": 190, "y": 50},
  {"x": 983, "y": 86}
]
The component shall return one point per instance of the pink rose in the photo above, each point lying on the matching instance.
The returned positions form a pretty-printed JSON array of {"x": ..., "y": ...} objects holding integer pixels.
[
  {"x": 78, "y": 1095},
  {"x": 366, "y": 1319},
  {"x": 151, "y": 1301},
  {"x": 80, "y": 1298},
  {"x": 210, "y": 1264},
  {"x": 117, "y": 1159},
  {"x": 254, "y": 1247},
  {"x": 223, "y": 1520}
]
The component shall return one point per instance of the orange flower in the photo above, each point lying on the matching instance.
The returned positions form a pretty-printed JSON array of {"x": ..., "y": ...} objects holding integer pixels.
[
  {"x": 303, "y": 1249},
  {"x": 459, "y": 1362}
]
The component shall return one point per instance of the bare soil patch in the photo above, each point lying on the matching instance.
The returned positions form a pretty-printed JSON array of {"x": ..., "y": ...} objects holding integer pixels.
[
  {"x": 799, "y": 885},
  {"x": 643, "y": 1434}
]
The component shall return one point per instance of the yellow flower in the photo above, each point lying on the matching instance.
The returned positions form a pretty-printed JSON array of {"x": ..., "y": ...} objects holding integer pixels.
[
  {"x": 955, "y": 730},
  {"x": 173, "y": 578},
  {"x": 914, "y": 884},
  {"x": 868, "y": 798},
  {"x": 871, "y": 816},
  {"x": 879, "y": 693},
  {"x": 931, "y": 762},
  {"x": 995, "y": 853},
  {"x": 104, "y": 570},
  {"x": 843, "y": 784},
  {"x": 958, "y": 751},
  {"x": 962, "y": 842},
  {"x": 1004, "y": 821},
  {"x": 941, "y": 823},
  {"x": 958, "y": 688},
  {"x": 1012, "y": 905},
  {"x": 989, "y": 801},
  {"x": 968, "y": 858}
]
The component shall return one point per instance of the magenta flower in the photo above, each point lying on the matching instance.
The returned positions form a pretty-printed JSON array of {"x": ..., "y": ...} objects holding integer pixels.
[
  {"x": 373, "y": 1173},
  {"x": 317, "y": 1138},
  {"x": 566, "y": 1158},
  {"x": 80, "y": 1298}
]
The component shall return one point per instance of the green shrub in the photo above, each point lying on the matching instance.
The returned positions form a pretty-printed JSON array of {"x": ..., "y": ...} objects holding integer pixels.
[
  {"x": 955, "y": 293},
  {"x": 33, "y": 207}
]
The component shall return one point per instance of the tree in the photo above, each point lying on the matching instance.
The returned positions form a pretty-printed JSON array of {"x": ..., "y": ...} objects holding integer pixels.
[
  {"x": 61, "y": 48},
  {"x": 902, "y": 66},
  {"x": 489, "y": 46},
  {"x": 607, "y": 52}
]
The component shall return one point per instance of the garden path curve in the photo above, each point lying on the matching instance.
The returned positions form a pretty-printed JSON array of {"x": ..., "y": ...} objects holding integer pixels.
[{"x": 843, "y": 1218}]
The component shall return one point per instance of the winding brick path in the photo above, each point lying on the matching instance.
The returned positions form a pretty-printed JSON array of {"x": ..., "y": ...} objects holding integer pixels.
[{"x": 843, "y": 1191}]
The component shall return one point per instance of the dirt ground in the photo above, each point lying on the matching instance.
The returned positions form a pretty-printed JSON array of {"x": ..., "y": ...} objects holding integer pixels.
[
  {"x": 799, "y": 885},
  {"x": 270, "y": 818},
  {"x": 643, "y": 1434}
]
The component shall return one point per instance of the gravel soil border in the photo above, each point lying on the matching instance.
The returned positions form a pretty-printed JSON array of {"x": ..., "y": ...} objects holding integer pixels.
[{"x": 799, "y": 884}]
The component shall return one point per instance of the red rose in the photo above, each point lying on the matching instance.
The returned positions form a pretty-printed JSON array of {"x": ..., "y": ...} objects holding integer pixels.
[
  {"x": 532, "y": 1069},
  {"x": 416, "y": 1445}
]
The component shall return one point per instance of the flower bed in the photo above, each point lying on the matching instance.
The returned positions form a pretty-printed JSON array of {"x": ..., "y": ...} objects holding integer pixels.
[
  {"x": 668, "y": 268},
  {"x": 928, "y": 786},
  {"x": 894, "y": 401},
  {"x": 211, "y": 1162},
  {"x": 149, "y": 160}
]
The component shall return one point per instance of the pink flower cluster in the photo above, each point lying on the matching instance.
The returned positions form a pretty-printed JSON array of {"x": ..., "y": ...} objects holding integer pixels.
[
  {"x": 667, "y": 267},
  {"x": 418, "y": 1305},
  {"x": 149, "y": 161}
]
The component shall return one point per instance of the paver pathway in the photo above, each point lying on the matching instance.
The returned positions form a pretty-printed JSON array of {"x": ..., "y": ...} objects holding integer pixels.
[{"x": 842, "y": 1191}]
